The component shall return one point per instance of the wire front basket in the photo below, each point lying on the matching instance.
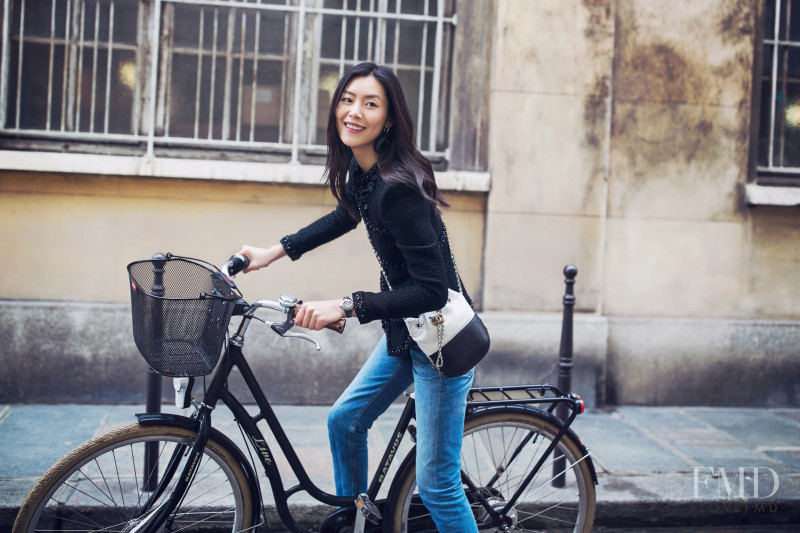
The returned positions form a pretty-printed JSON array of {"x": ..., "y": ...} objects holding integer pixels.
[{"x": 181, "y": 308}]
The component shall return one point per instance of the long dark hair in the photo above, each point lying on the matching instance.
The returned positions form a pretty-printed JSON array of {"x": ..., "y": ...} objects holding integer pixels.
[{"x": 399, "y": 159}]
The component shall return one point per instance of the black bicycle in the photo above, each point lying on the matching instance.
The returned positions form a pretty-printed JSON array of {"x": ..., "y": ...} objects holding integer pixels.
[{"x": 523, "y": 468}]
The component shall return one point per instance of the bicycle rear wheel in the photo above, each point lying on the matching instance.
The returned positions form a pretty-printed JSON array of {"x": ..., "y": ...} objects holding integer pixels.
[
  {"x": 499, "y": 450},
  {"x": 99, "y": 486}
]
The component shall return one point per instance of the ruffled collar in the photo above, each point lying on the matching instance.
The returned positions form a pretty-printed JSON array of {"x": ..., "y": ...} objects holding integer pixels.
[
  {"x": 361, "y": 177},
  {"x": 365, "y": 183}
]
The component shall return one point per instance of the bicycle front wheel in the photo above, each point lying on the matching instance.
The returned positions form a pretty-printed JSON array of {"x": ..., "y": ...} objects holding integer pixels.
[
  {"x": 100, "y": 485},
  {"x": 500, "y": 449}
]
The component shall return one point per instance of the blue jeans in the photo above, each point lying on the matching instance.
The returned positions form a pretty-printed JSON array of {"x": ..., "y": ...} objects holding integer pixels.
[{"x": 440, "y": 405}]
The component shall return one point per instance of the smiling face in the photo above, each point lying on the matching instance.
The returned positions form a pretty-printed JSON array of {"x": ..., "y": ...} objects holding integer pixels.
[{"x": 361, "y": 116}]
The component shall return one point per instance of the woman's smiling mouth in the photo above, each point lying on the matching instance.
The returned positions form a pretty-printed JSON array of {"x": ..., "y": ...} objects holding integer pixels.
[{"x": 355, "y": 128}]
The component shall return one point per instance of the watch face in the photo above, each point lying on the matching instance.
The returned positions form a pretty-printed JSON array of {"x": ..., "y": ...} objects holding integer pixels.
[{"x": 347, "y": 304}]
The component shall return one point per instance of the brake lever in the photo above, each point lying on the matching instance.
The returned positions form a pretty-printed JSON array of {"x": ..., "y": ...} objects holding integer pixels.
[
  {"x": 304, "y": 337},
  {"x": 283, "y": 329}
]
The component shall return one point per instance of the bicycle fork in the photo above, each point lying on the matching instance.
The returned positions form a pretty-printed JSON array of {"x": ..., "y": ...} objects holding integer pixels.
[{"x": 152, "y": 519}]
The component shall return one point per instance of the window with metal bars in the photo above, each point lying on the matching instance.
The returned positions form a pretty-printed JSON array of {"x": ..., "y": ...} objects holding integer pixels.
[
  {"x": 779, "y": 123},
  {"x": 182, "y": 77}
]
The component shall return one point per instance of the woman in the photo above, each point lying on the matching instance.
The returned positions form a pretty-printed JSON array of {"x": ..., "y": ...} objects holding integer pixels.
[{"x": 391, "y": 188}]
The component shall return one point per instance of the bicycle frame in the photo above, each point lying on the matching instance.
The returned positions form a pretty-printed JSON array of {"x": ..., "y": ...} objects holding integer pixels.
[
  {"x": 249, "y": 425},
  {"x": 233, "y": 357}
]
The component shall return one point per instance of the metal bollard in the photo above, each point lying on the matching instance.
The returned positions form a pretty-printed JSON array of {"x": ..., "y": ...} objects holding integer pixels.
[
  {"x": 565, "y": 362},
  {"x": 154, "y": 383},
  {"x": 565, "y": 352}
]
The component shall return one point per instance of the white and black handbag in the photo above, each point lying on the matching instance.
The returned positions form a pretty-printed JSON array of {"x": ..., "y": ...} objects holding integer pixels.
[{"x": 454, "y": 338}]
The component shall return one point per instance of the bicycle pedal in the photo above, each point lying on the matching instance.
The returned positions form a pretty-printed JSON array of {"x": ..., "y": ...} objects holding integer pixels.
[{"x": 368, "y": 509}]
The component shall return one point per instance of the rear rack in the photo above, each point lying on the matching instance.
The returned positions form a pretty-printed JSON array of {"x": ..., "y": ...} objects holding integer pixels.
[{"x": 524, "y": 394}]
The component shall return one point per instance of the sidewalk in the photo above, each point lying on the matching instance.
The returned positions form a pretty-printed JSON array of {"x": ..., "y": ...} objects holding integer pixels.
[{"x": 657, "y": 466}]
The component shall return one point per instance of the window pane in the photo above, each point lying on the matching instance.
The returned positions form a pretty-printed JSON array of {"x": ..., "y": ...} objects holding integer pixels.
[
  {"x": 66, "y": 54},
  {"x": 789, "y": 60},
  {"x": 787, "y": 108},
  {"x": 37, "y": 17},
  {"x": 182, "y": 95},
  {"x": 769, "y": 20},
  {"x": 328, "y": 79},
  {"x": 34, "y": 92},
  {"x": 788, "y": 147},
  {"x": 419, "y": 7},
  {"x": 766, "y": 69},
  {"x": 223, "y": 72},
  {"x": 216, "y": 56},
  {"x": 273, "y": 27},
  {"x": 794, "y": 21},
  {"x": 331, "y": 41},
  {"x": 779, "y": 128},
  {"x": 126, "y": 18},
  {"x": 763, "y": 128},
  {"x": 407, "y": 46},
  {"x": 409, "y": 79},
  {"x": 188, "y": 31},
  {"x": 412, "y": 33},
  {"x": 782, "y": 27},
  {"x": 269, "y": 99}
]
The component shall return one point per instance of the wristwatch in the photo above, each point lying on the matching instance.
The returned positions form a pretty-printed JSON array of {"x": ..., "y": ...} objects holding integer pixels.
[{"x": 347, "y": 306}]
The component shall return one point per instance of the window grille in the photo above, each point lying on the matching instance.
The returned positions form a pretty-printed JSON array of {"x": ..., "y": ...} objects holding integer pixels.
[
  {"x": 779, "y": 131},
  {"x": 171, "y": 76}
]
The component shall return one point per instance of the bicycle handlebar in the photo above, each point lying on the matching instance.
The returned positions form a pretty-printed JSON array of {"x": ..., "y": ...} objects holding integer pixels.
[
  {"x": 235, "y": 264},
  {"x": 238, "y": 262}
]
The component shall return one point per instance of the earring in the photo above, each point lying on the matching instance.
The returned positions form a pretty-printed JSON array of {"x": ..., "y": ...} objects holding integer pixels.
[{"x": 386, "y": 129}]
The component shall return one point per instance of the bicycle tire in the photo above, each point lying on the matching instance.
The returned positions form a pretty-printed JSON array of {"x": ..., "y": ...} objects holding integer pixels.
[
  {"x": 490, "y": 439},
  {"x": 99, "y": 485}
]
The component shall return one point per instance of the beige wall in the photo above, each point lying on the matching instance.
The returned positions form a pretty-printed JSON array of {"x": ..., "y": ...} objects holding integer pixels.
[
  {"x": 619, "y": 143},
  {"x": 65, "y": 332},
  {"x": 550, "y": 90},
  {"x": 69, "y": 237}
]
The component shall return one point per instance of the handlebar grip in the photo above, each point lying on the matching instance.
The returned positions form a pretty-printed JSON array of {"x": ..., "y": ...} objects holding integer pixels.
[
  {"x": 337, "y": 326},
  {"x": 237, "y": 263}
]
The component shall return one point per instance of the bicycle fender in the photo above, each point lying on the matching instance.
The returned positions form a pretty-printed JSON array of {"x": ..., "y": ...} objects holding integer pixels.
[
  {"x": 183, "y": 422},
  {"x": 168, "y": 419},
  {"x": 547, "y": 416}
]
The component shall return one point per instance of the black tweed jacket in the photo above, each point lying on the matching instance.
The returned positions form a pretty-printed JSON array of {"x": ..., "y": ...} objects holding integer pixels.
[{"x": 410, "y": 240}]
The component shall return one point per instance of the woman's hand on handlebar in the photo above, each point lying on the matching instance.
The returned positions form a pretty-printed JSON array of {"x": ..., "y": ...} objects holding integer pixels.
[
  {"x": 261, "y": 257},
  {"x": 317, "y": 315}
]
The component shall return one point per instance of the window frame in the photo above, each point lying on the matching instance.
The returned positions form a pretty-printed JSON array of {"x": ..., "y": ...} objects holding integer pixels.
[
  {"x": 771, "y": 184},
  {"x": 166, "y": 156}
]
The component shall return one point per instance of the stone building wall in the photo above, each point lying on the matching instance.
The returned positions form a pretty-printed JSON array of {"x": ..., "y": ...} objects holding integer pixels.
[{"x": 617, "y": 137}]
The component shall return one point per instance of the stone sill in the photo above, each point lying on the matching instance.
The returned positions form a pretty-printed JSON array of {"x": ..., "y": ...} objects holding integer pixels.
[
  {"x": 772, "y": 195},
  {"x": 452, "y": 180}
]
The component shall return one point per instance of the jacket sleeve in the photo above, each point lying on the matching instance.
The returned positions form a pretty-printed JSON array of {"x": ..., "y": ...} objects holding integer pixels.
[
  {"x": 322, "y": 231},
  {"x": 409, "y": 219}
]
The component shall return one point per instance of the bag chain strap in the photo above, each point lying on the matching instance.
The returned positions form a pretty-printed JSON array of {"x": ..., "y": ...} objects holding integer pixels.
[{"x": 438, "y": 319}]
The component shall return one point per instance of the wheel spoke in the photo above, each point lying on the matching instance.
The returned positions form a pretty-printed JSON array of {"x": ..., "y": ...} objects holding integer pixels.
[
  {"x": 499, "y": 451},
  {"x": 96, "y": 487}
]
